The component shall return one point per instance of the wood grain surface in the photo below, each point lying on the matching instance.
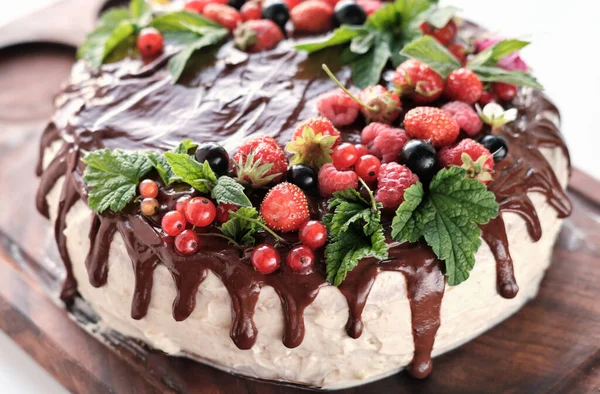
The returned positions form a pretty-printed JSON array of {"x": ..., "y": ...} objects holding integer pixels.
[{"x": 551, "y": 345}]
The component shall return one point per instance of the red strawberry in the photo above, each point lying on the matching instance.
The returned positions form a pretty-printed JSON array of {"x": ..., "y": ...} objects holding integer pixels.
[
  {"x": 463, "y": 85},
  {"x": 383, "y": 141},
  {"x": 465, "y": 116},
  {"x": 338, "y": 107},
  {"x": 320, "y": 125},
  {"x": 260, "y": 161},
  {"x": 257, "y": 35},
  {"x": 224, "y": 15},
  {"x": 429, "y": 123},
  {"x": 479, "y": 164},
  {"x": 418, "y": 81},
  {"x": 486, "y": 98},
  {"x": 370, "y": 6},
  {"x": 459, "y": 52},
  {"x": 505, "y": 91},
  {"x": 312, "y": 16},
  {"x": 392, "y": 181},
  {"x": 331, "y": 180},
  {"x": 292, "y": 3},
  {"x": 443, "y": 35},
  {"x": 251, "y": 10},
  {"x": 197, "y": 6},
  {"x": 285, "y": 208},
  {"x": 313, "y": 142}
]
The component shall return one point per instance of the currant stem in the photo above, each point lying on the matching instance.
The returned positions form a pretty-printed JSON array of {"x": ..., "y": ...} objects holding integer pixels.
[
  {"x": 352, "y": 96},
  {"x": 260, "y": 224},
  {"x": 368, "y": 189}
]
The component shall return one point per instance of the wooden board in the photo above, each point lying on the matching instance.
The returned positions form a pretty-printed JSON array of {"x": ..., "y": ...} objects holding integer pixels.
[{"x": 551, "y": 345}]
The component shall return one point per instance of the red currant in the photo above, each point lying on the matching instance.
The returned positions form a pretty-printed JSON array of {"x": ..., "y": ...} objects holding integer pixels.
[
  {"x": 181, "y": 204},
  {"x": 505, "y": 91},
  {"x": 300, "y": 259},
  {"x": 173, "y": 223},
  {"x": 486, "y": 98},
  {"x": 344, "y": 156},
  {"x": 223, "y": 211},
  {"x": 361, "y": 150},
  {"x": 150, "y": 42},
  {"x": 265, "y": 259},
  {"x": 149, "y": 206},
  {"x": 367, "y": 168},
  {"x": 313, "y": 234},
  {"x": 200, "y": 211},
  {"x": 148, "y": 188},
  {"x": 187, "y": 242},
  {"x": 195, "y": 6}
]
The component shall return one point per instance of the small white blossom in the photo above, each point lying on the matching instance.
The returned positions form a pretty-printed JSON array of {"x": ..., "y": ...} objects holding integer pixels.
[{"x": 494, "y": 115}]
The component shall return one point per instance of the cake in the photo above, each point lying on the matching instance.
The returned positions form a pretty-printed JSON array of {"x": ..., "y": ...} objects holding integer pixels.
[{"x": 446, "y": 191}]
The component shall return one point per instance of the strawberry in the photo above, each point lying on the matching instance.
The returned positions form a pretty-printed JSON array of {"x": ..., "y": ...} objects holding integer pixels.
[
  {"x": 472, "y": 156},
  {"x": 285, "y": 208},
  {"x": 463, "y": 85},
  {"x": 418, "y": 81},
  {"x": 383, "y": 141},
  {"x": 332, "y": 180},
  {"x": 292, "y": 3},
  {"x": 251, "y": 10},
  {"x": 486, "y": 98},
  {"x": 459, "y": 52},
  {"x": 393, "y": 179},
  {"x": 224, "y": 15},
  {"x": 444, "y": 35},
  {"x": 257, "y": 35},
  {"x": 370, "y": 6},
  {"x": 260, "y": 161},
  {"x": 197, "y": 6},
  {"x": 429, "y": 123},
  {"x": 336, "y": 106},
  {"x": 505, "y": 91},
  {"x": 313, "y": 142},
  {"x": 332, "y": 3},
  {"x": 312, "y": 16},
  {"x": 319, "y": 125}
]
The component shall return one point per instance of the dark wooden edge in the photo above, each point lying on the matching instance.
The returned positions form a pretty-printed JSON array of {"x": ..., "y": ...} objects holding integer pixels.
[{"x": 585, "y": 186}]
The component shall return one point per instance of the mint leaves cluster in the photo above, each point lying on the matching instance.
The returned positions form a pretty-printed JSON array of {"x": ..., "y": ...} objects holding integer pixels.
[
  {"x": 114, "y": 37},
  {"x": 447, "y": 218}
]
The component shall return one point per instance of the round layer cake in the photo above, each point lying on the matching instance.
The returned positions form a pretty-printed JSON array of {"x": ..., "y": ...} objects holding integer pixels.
[{"x": 213, "y": 306}]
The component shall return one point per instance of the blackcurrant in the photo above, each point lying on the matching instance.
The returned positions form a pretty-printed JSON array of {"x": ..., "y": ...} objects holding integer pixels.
[
  {"x": 419, "y": 156},
  {"x": 277, "y": 11},
  {"x": 497, "y": 146},
  {"x": 216, "y": 155},
  {"x": 347, "y": 12},
  {"x": 303, "y": 177},
  {"x": 237, "y": 4}
]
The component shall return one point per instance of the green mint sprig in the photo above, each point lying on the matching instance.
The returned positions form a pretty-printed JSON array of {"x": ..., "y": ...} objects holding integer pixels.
[
  {"x": 159, "y": 162},
  {"x": 447, "y": 218}
]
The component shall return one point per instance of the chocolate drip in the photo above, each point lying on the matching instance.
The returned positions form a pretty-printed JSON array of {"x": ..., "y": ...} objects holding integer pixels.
[
  {"x": 56, "y": 169},
  {"x": 494, "y": 234},
  {"x": 102, "y": 233}
]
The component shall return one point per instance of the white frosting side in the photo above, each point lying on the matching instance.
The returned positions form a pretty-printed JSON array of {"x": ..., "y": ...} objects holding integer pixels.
[{"x": 327, "y": 357}]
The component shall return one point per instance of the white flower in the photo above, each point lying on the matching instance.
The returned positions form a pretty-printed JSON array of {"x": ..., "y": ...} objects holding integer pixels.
[{"x": 494, "y": 115}]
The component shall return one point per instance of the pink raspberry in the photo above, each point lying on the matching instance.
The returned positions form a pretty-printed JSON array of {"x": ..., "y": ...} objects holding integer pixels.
[
  {"x": 452, "y": 155},
  {"x": 392, "y": 181},
  {"x": 338, "y": 107},
  {"x": 331, "y": 180},
  {"x": 383, "y": 141},
  {"x": 465, "y": 116}
]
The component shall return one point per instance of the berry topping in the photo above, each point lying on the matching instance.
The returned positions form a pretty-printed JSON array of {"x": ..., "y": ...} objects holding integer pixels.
[
  {"x": 466, "y": 117},
  {"x": 265, "y": 259},
  {"x": 304, "y": 177},
  {"x": 444, "y": 35},
  {"x": 292, "y": 3},
  {"x": 277, "y": 11},
  {"x": 331, "y": 180},
  {"x": 505, "y": 91},
  {"x": 486, "y": 98},
  {"x": 257, "y": 35},
  {"x": 285, "y": 208},
  {"x": 216, "y": 155},
  {"x": 370, "y": 6},
  {"x": 393, "y": 179},
  {"x": 312, "y": 16},
  {"x": 361, "y": 150},
  {"x": 223, "y": 211},
  {"x": 319, "y": 125},
  {"x": 347, "y": 12},
  {"x": 420, "y": 157},
  {"x": 433, "y": 124},
  {"x": 224, "y": 15},
  {"x": 367, "y": 168},
  {"x": 251, "y": 10},
  {"x": 187, "y": 242},
  {"x": 313, "y": 142},
  {"x": 459, "y": 52},
  {"x": 496, "y": 145},
  {"x": 344, "y": 156},
  {"x": 472, "y": 156},
  {"x": 181, "y": 204},
  {"x": 149, "y": 206},
  {"x": 197, "y": 6},
  {"x": 148, "y": 188},
  {"x": 300, "y": 260},
  {"x": 150, "y": 42},
  {"x": 336, "y": 106},
  {"x": 200, "y": 211},
  {"x": 463, "y": 85},
  {"x": 173, "y": 223},
  {"x": 418, "y": 81},
  {"x": 260, "y": 161},
  {"x": 237, "y": 4},
  {"x": 313, "y": 234},
  {"x": 383, "y": 141}
]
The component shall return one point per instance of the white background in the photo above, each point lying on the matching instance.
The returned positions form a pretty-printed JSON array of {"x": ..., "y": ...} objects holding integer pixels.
[{"x": 564, "y": 55}]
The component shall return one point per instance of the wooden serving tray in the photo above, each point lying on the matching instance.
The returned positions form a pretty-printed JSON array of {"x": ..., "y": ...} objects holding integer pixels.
[{"x": 551, "y": 345}]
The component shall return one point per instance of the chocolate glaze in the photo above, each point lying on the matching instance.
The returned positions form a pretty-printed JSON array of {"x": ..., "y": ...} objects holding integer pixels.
[{"x": 229, "y": 96}]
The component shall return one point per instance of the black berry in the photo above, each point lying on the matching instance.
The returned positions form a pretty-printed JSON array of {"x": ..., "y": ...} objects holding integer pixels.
[
  {"x": 277, "y": 11},
  {"x": 497, "y": 146},
  {"x": 303, "y": 177},
  {"x": 347, "y": 12},
  {"x": 216, "y": 155},
  {"x": 419, "y": 156},
  {"x": 237, "y": 4}
]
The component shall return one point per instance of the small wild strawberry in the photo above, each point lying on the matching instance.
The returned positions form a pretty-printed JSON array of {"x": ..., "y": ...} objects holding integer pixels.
[
  {"x": 431, "y": 124},
  {"x": 312, "y": 16},
  {"x": 444, "y": 35},
  {"x": 285, "y": 208},
  {"x": 313, "y": 142},
  {"x": 418, "y": 81},
  {"x": 257, "y": 35},
  {"x": 463, "y": 85},
  {"x": 224, "y": 15},
  {"x": 260, "y": 161}
]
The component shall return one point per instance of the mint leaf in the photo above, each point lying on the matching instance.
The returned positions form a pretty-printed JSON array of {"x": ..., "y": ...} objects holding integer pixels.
[
  {"x": 227, "y": 190},
  {"x": 240, "y": 230},
  {"x": 362, "y": 43},
  {"x": 496, "y": 74},
  {"x": 492, "y": 55},
  {"x": 404, "y": 225},
  {"x": 112, "y": 177},
  {"x": 429, "y": 51},
  {"x": 200, "y": 176},
  {"x": 178, "y": 62},
  {"x": 399, "y": 16},
  {"x": 339, "y": 36},
  {"x": 367, "y": 69},
  {"x": 159, "y": 162},
  {"x": 139, "y": 8},
  {"x": 439, "y": 17},
  {"x": 104, "y": 39},
  {"x": 181, "y": 21}
]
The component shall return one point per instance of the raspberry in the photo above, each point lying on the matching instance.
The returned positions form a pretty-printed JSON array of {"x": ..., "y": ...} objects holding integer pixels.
[
  {"x": 463, "y": 85},
  {"x": 331, "y": 180},
  {"x": 370, "y": 6},
  {"x": 285, "y": 208},
  {"x": 320, "y": 125},
  {"x": 465, "y": 116},
  {"x": 312, "y": 16},
  {"x": 443, "y": 35},
  {"x": 257, "y": 35},
  {"x": 429, "y": 123},
  {"x": 336, "y": 106},
  {"x": 250, "y": 170},
  {"x": 224, "y": 15},
  {"x": 383, "y": 141},
  {"x": 392, "y": 181},
  {"x": 418, "y": 81},
  {"x": 452, "y": 155}
]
